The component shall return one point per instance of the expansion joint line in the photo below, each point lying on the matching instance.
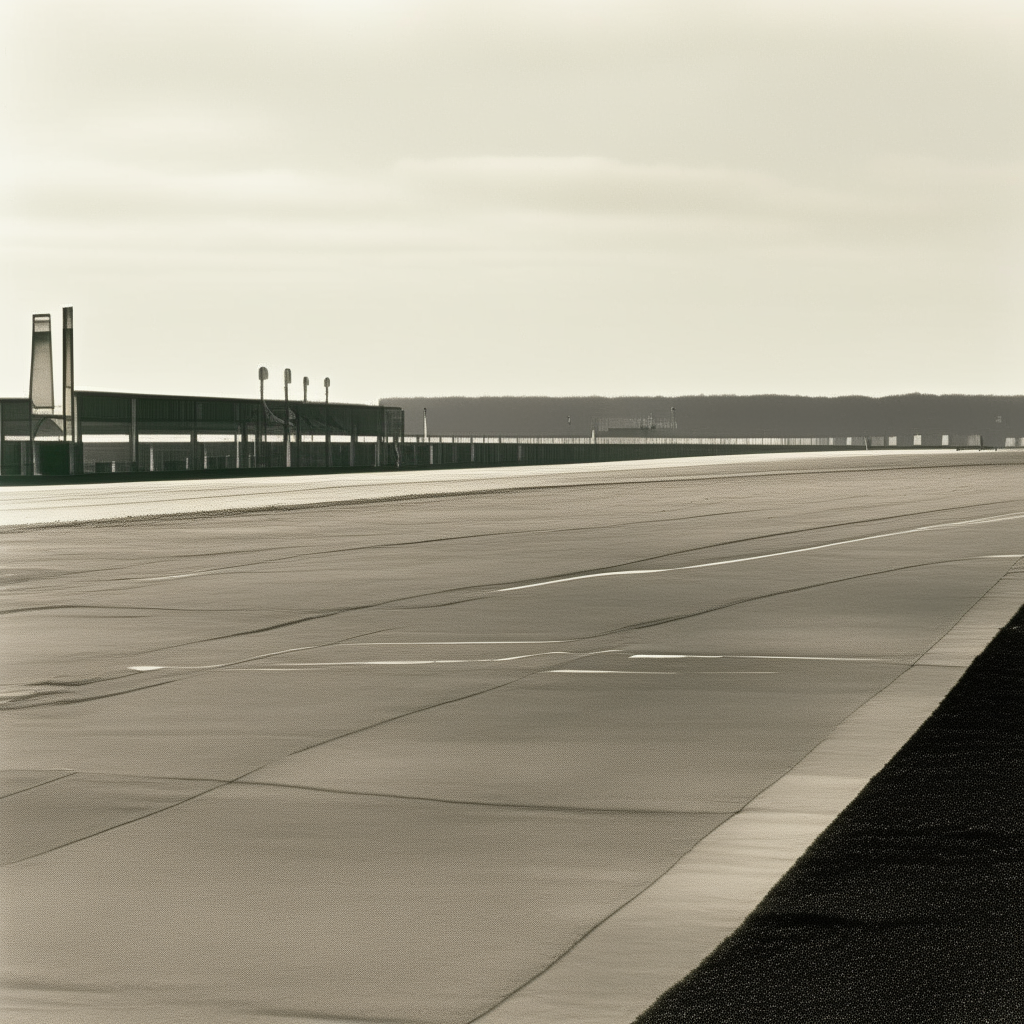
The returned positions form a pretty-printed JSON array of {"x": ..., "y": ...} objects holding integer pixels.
[{"x": 561, "y": 956}]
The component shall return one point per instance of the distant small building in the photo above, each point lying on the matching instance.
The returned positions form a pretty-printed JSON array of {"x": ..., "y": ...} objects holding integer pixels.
[{"x": 637, "y": 426}]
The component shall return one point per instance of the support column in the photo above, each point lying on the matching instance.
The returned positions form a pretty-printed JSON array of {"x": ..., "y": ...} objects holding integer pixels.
[
  {"x": 261, "y": 435},
  {"x": 287, "y": 431},
  {"x": 133, "y": 438},
  {"x": 68, "y": 364}
]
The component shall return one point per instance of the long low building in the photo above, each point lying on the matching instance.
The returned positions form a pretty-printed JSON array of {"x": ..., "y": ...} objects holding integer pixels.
[
  {"x": 76, "y": 433},
  {"x": 72, "y": 432},
  {"x": 114, "y": 432}
]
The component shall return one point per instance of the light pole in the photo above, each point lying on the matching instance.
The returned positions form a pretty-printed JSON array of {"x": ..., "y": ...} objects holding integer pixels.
[
  {"x": 287, "y": 421},
  {"x": 424, "y": 423},
  {"x": 327, "y": 419},
  {"x": 300, "y": 422},
  {"x": 261, "y": 421}
]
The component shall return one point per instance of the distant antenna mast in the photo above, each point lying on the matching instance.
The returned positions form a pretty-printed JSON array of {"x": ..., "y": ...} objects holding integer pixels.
[{"x": 69, "y": 375}]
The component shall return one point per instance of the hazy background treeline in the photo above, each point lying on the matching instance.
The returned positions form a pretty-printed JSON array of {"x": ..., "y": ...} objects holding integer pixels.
[{"x": 995, "y": 417}]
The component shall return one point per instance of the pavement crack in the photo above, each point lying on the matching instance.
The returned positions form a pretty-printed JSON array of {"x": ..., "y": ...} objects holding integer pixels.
[{"x": 507, "y": 805}]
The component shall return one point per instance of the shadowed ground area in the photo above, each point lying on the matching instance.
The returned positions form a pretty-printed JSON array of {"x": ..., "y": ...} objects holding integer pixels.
[
  {"x": 909, "y": 905},
  {"x": 417, "y": 760}
]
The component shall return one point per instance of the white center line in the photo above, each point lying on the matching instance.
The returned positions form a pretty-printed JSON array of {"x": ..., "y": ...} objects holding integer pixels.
[
  {"x": 444, "y": 643},
  {"x": 178, "y": 576},
  {"x": 290, "y": 665},
  {"x": 781, "y": 657},
  {"x": 648, "y": 672},
  {"x": 405, "y": 661},
  {"x": 607, "y": 672},
  {"x": 755, "y": 558},
  {"x": 677, "y": 655}
]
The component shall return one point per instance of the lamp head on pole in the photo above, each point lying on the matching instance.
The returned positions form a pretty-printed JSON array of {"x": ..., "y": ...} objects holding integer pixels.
[
  {"x": 263, "y": 373},
  {"x": 287, "y": 376}
]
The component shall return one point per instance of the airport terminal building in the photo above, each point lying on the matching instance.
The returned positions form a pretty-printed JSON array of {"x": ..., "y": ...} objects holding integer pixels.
[{"x": 71, "y": 432}]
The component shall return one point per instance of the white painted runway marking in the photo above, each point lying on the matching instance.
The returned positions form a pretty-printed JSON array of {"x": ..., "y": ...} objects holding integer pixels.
[
  {"x": 401, "y": 661},
  {"x": 756, "y": 558},
  {"x": 247, "y": 666},
  {"x": 294, "y": 665},
  {"x": 179, "y": 575},
  {"x": 650, "y": 672},
  {"x": 780, "y": 657},
  {"x": 607, "y": 672},
  {"x": 677, "y": 655},
  {"x": 443, "y": 643}
]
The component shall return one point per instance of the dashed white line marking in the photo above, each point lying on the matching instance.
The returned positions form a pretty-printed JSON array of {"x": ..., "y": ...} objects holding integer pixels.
[
  {"x": 444, "y": 643},
  {"x": 179, "y": 575},
  {"x": 677, "y": 655},
  {"x": 648, "y": 672},
  {"x": 294, "y": 665},
  {"x": 755, "y": 558},
  {"x": 781, "y": 657},
  {"x": 398, "y": 661},
  {"x": 606, "y": 672}
]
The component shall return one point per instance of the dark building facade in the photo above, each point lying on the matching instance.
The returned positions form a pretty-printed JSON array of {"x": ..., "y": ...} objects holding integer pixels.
[{"x": 116, "y": 432}]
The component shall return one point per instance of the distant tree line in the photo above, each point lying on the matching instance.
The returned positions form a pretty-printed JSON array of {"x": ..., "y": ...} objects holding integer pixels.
[{"x": 995, "y": 417}]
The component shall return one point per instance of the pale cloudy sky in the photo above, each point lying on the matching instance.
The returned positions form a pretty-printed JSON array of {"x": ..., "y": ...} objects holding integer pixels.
[{"x": 516, "y": 196}]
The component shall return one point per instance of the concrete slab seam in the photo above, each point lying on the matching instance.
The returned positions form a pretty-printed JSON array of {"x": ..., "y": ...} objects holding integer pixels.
[{"x": 654, "y": 940}]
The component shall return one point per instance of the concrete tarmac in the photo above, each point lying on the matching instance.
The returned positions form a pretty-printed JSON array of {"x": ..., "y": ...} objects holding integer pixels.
[{"x": 407, "y": 760}]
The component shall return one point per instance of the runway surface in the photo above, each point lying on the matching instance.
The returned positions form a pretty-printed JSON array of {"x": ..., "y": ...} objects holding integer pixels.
[
  {"x": 414, "y": 760},
  {"x": 104, "y": 498}
]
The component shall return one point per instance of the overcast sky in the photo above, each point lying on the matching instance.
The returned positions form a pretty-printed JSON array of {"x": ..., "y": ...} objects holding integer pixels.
[{"x": 557, "y": 197}]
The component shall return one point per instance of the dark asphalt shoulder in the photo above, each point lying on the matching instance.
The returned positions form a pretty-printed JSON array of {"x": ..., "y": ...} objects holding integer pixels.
[{"x": 910, "y": 905}]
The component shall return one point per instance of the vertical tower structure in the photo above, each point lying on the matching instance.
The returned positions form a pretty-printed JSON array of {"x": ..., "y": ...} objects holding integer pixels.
[
  {"x": 69, "y": 375},
  {"x": 40, "y": 387}
]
